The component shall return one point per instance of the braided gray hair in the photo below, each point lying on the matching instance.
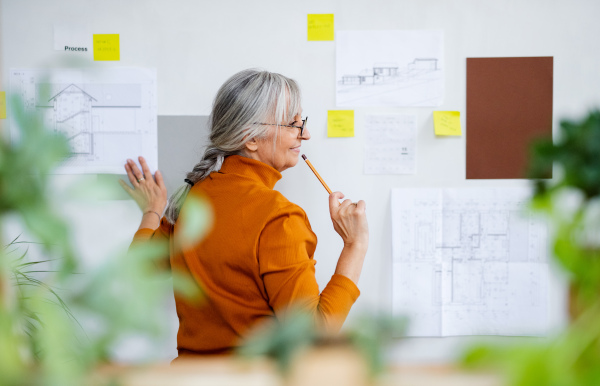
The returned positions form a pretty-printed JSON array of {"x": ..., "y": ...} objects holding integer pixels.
[{"x": 247, "y": 98}]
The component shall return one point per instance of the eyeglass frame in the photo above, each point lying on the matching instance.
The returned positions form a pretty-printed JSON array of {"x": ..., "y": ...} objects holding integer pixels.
[{"x": 297, "y": 127}]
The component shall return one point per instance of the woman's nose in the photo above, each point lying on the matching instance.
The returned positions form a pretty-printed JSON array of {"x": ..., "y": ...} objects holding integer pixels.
[{"x": 305, "y": 134}]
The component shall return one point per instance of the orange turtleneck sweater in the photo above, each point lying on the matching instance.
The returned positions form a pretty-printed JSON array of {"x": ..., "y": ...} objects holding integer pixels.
[{"x": 255, "y": 262}]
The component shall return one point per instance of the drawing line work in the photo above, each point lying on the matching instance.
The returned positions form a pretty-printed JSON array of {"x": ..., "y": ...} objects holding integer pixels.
[
  {"x": 469, "y": 262},
  {"x": 390, "y": 146},
  {"x": 107, "y": 117},
  {"x": 382, "y": 73},
  {"x": 389, "y": 68}
]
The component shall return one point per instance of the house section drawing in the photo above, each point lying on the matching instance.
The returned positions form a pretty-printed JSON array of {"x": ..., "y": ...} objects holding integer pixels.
[
  {"x": 73, "y": 117},
  {"x": 389, "y": 68},
  {"x": 106, "y": 116},
  {"x": 469, "y": 262}
]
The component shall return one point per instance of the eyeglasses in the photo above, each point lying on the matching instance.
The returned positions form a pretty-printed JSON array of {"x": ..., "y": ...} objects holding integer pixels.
[{"x": 297, "y": 127}]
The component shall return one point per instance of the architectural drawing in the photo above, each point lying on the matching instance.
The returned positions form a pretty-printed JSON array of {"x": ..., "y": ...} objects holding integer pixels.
[
  {"x": 469, "y": 262},
  {"x": 389, "y": 68},
  {"x": 73, "y": 117},
  {"x": 107, "y": 116},
  {"x": 390, "y": 73},
  {"x": 390, "y": 144}
]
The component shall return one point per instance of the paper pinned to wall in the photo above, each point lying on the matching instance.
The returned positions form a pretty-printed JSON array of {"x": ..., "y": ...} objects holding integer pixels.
[
  {"x": 340, "y": 123},
  {"x": 389, "y": 68},
  {"x": 2, "y": 104},
  {"x": 107, "y": 47},
  {"x": 107, "y": 115},
  {"x": 72, "y": 38},
  {"x": 447, "y": 122},
  {"x": 320, "y": 27},
  {"x": 469, "y": 262},
  {"x": 390, "y": 144}
]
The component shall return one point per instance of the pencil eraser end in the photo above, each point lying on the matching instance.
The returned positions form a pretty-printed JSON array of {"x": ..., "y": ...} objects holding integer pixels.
[{"x": 303, "y": 157}]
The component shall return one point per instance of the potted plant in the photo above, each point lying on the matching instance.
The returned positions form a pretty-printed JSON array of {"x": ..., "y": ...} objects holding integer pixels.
[{"x": 571, "y": 204}]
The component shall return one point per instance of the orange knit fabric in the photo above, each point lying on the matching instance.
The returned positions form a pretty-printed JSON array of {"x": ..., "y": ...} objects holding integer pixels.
[{"x": 255, "y": 262}]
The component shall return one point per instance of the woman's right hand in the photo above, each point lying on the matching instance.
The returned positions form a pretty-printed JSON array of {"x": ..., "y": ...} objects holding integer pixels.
[
  {"x": 149, "y": 192},
  {"x": 349, "y": 220}
]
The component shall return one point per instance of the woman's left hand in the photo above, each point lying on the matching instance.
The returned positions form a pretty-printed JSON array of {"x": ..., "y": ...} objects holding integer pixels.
[{"x": 150, "y": 193}]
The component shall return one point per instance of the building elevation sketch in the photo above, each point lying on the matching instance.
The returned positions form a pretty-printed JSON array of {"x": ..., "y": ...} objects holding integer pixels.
[
  {"x": 469, "y": 262},
  {"x": 389, "y": 68},
  {"x": 106, "y": 115}
]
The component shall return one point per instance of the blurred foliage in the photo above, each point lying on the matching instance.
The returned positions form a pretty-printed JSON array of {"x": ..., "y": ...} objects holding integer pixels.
[
  {"x": 371, "y": 335},
  {"x": 577, "y": 239},
  {"x": 41, "y": 342},
  {"x": 25, "y": 166},
  {"x": 281, "y": 339},
  {"x": 571, "y": 204},
  {"x": 284, "y": 338}
]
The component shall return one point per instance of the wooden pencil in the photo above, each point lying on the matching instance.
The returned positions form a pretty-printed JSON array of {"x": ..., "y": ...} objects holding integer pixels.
[{"x": 316, "y": 174}]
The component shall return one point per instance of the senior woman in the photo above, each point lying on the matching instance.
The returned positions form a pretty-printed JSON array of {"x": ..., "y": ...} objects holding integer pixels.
[{"x": 257, "y": 259}]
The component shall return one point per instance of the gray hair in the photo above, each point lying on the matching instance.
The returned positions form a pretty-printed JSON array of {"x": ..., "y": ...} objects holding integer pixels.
[{"x": 244, "y": 100}]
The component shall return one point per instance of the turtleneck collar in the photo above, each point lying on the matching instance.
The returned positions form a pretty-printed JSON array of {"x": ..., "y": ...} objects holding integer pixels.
[{"x": 248, "y": 167}]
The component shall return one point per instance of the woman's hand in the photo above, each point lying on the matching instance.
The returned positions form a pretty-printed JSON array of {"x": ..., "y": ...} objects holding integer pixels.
[
  {"x": 349, "y": 221},
  {"x": 150, "y": 193}
]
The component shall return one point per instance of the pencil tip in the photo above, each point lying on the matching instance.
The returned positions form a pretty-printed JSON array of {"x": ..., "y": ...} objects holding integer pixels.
[{"x": 303, "y": 157}]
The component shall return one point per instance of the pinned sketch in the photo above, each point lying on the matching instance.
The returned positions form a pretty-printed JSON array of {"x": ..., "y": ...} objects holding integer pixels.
[
  {"x": 108, "y": 115},
  {"x": 73, "y": 38},
  {"x": 390, "y": 144},
  {"x": 469, "y": 262},
  {"x": 389, "y": 68}
]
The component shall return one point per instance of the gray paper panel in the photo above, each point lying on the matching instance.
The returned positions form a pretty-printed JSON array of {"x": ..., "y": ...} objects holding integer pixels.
[{"x": 181, "y": 143}]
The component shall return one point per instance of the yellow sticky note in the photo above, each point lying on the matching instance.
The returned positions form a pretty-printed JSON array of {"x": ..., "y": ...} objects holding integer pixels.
[
  {"x": 340, "y": 123},
  {"x": 447, "y": 122},
  {"x": 320, "y": 26},
  {"x": 106, "y": 47},
  {"x": 2, "y": 104}
]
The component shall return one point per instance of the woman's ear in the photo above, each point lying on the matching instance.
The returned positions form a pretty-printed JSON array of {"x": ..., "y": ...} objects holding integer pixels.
[{"x": 251, "y": 145}]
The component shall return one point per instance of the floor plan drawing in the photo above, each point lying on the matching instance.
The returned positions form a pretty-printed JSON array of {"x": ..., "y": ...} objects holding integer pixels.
[
  {"x": 389, "y": 68},
  {"x": 106, "y": 115},
  {"x": 469, "y": 262}
]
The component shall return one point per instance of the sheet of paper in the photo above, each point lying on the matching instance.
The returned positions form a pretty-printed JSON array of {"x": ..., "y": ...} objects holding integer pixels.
[
  {"x": 108, "y": 115},
  {"x": 389, "y": 68},
  {"x": 2, "y": 104},
  {"x": 320, "y": 26},
  {"x": 106, "y": 47},
  {"x": 340, "y": 123},
  {"x": 72, "y": 38},
  {"x": 390, "y": 144},
  {"x": 469, "y": 261},
  {"x": 509, "y": 104},
  {"x": 447, "y": 122}
]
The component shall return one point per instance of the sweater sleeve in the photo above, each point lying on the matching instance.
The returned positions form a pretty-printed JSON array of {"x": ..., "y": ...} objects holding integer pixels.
[
  {"x": 160, "y": 234},
  {"x": 285, "y": 252}
]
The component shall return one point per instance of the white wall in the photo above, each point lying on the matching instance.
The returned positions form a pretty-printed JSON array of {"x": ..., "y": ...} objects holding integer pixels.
[{"x": 196, "y": 45}]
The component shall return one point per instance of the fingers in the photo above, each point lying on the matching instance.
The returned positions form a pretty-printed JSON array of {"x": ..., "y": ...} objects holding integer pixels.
[
  {"x": 126, "y": 187},
  {"x": 134, "y": 169},
  {"x": 361, "y": 206},
  {"x": 159, "y": 179},
  {"x": 334, "y": 200},
  {"x": 145, "y": 168},
  {"x": 345, "y": 204},
  {"x": 130, "y": 175}
]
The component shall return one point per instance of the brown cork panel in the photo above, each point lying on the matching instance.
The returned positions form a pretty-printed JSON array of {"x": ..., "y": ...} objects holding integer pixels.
[{"x": 509, "y": 103}]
